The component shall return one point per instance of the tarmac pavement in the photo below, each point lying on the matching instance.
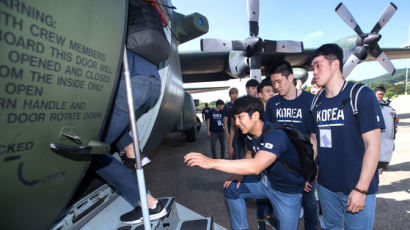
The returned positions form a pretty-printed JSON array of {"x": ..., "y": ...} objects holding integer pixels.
[{"x": 201, "y": 190}]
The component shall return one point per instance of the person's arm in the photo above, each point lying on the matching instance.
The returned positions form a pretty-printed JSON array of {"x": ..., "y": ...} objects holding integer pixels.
[
  {"x": 208, "y": 126},
  {"x": 252, "y": 166},
  {"x": 238, "y": 178},
  {"x": 356, "y": 200},
  {"x": 231, "y": 137},
  {"x": 314, "y": 144},
  {"x": 225, "y": 121},
  {"x": 248, "y": 154}
]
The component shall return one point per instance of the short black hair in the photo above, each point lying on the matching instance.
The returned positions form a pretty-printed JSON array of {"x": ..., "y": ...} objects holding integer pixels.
[
  {"x": 219, "y": 102},
  {"x": 282, "y": 67},
  {"x": 265, "y": 82},
  {"x": 331, "y": 52},
  {"x": 252, "y": 83},
  {"x": 380, "y": 88},
  {"x": 248, "y": 104}
]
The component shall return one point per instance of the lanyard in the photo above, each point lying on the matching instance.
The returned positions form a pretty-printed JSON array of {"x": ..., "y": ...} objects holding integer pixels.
[{"x": 344, "y": 83}]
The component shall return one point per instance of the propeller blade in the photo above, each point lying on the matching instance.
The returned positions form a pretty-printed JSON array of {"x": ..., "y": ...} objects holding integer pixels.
[
  {"x": 386, "y": 63},
  {"x": 220, "y": 45},
  {"x": 347, "y": 17},
  {"x": 253, "y": 16},
  {"x": 256, "y": 74},
  {"x": 349, "y": 65},
  {"x": 386, "y": 15},
  {"x": 284, "y": 46},
  {"x": 255, "y": 67}
]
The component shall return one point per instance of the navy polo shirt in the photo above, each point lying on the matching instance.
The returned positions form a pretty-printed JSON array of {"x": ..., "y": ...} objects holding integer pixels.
[
  {"x": 280, "y": 177},
  {"x": 340, "y": 144},
  {"x": 294, "y": 112},
  {"x": 216, "y": 124},
  {"x": 206, "y": 111}
]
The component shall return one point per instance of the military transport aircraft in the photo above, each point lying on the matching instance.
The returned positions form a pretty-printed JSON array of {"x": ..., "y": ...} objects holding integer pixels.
[{"x": 59, "y": 67}]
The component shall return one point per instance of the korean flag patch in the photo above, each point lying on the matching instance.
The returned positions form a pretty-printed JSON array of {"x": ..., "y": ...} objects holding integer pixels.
[{"x": 268, "y": 145}]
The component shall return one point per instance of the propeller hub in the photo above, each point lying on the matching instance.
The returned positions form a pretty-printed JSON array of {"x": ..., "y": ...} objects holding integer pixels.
[
  {"x": 366, "y": 42},
  {"x": 361, "y": 52},
  {"x": 253, "y": 45},
  {"x": 371, "y": 38}
]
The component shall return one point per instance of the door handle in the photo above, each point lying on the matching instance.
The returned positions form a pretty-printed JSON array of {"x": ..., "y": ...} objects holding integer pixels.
[{"x": 93, "y": 147}]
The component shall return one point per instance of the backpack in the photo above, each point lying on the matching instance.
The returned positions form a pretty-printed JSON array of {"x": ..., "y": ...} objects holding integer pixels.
[
  {"x": 145, "y": 34},
  {"x": 384, "y": 103},
  {"x": 354, "y": 92},
  {"x": 303, "y": 146}
]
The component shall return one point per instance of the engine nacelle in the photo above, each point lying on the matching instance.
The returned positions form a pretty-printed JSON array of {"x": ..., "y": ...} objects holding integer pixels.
[
  {"x": 300, "y": 74},
  {"x": 237, "y": 64},
  {"x": 188, "y": 27}
]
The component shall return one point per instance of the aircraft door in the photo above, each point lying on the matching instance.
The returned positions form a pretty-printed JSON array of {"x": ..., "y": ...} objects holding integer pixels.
[{"x": 59, "y": 62}]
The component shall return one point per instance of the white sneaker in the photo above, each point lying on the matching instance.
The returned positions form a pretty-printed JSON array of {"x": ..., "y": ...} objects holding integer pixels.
[
  {"x": 301, "y": 213},
  {"x": 322, "y": 222},
  {"x": 145, "y": 161}
]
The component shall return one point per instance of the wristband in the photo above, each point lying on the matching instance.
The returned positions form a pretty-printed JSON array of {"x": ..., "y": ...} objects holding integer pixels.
[{"x": 361, "y": 191}]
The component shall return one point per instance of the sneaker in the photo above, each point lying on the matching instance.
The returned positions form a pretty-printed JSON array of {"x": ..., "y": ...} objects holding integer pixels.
[
  {"x": 301, "y": 213},
  {"x": 322, "y": 222},
  {"x": 261, "y": 225},
  {"x": 145, "y": 161},
  {"x": 135, "y": 216},
  {"x": 272, "y": 222}
]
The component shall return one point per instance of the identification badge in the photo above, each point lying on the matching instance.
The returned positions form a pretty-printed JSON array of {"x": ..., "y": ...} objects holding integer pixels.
[
  {"x": 219, "y": 122},
  {"x": 325, "y": 138}
]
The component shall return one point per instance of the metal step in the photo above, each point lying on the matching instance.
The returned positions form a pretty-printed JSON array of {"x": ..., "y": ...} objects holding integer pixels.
[
  {"x": 178, "y": 218},
  {"x": 102, "y": 209},
  {"x": 182, "y": 218}
]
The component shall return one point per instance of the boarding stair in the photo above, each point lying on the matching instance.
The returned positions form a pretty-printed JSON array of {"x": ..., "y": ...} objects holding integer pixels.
[{"x": 102, "y": 208}]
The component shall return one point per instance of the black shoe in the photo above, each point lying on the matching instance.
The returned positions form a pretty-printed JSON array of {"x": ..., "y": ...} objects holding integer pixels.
[
  {"x": 272, "y": 222},
  {"x": 261, "y": 225},
  {"x": 135, "y": 216}
]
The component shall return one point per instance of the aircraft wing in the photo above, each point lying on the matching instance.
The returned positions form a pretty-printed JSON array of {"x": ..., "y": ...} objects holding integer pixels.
[
  {"x": 205, "y": 89},
  {"x": 200, "y": 66}
]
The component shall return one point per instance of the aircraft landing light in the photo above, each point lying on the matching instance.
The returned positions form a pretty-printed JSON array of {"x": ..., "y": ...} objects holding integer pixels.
[{"x": 200, "y": 21}]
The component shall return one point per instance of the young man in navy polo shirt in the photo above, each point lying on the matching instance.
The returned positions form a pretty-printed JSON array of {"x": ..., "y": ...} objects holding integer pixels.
[
  {"x": 348, "y": 146},
  {"x": 292, "y": 107},
  {"x": 267, "y": 178},
  {"x": 236, "y": 142},
  {"x": 205, "y": 112},
  {"x": 227, "y": 117},
  {"x": 215, "y": 128}
]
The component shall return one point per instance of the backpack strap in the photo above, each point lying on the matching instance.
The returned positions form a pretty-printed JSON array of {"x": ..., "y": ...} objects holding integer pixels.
[
  {"x": 267, "y": 129},
  {"x": 288, "y": 166},
  {"x": 354, "y": 92},
  {"x": 316, "y": 100}
]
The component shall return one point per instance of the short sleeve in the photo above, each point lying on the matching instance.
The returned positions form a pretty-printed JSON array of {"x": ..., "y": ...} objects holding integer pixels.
[
  {"x": 225, "y": 111},
  {"x": 267, "y": 115},
  {"x": 275, "y": 142}
]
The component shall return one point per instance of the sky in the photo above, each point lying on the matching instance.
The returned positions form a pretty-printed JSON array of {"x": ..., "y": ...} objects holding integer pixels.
[{"x": 314, "y": 22}]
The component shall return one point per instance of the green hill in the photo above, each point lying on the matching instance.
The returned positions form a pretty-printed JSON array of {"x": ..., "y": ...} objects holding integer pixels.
[
  {"x": 390, "y": 83},
  {"x": 399, "y": 76}
]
